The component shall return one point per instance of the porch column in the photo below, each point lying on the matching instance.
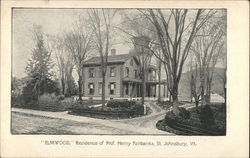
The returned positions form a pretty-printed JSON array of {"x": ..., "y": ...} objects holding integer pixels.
[
  {"x": 155, "y": 90},
  {"x": 129, "y": 90},
  {"x": 139, "y": 86},
  {"x": 164, "y": 90}
]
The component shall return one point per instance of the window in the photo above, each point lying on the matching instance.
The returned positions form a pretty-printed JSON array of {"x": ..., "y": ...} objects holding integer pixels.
[
  {"x": 112, "y": 88},
  {"x": 127, "y": 72},
  {"x": 153, "y": 74},
  {"x": 136, "y": 73},
  {"x": 91, "y": 72},
  {"x": 91, "y": 87},
  {"x": 131, "y": 62},
  {"x": 112, "y": 71},
  {"x": 100, "y": 88},
  {"x": 126, "y": 89}
]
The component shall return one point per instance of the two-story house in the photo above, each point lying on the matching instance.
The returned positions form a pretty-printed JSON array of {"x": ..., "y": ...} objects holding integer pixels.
[{"x": 122, "y": 77}]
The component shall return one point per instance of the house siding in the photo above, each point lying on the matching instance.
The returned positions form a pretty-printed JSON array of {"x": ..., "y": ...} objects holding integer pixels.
[
  {"x": 122, "y": 82},
  {"x": 98, "y": 79}
]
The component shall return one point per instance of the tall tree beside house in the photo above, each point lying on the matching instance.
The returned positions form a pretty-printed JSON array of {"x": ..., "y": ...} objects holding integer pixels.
[
  {"x": 65, "y": 64},
  {"x": 101, "y": 22},
  {"x": 143, "y": 56},
  {"x": 176, "y": 30},
  {"x": 39, "y": 68},
  {"x": 78, "y": 42},
  {"x": 138, "y": 27}
]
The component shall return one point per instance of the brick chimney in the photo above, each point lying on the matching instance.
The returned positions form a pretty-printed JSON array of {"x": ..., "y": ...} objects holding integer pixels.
[{"x": 113, "y": 51}]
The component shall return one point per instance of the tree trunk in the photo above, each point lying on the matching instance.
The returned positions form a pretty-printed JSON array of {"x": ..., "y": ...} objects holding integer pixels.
[
  {"x": 143, "y": 87},
  {"x": 175, "y": 100},
  {"x": 159, "y": 85},
  {"x": 103, "y": 89},
  {"x": 203, "y": 99},
  {"x": 80, "y": 88},
  {"x": 225, "y": 92},
  {"x": 63, "y": 86}
]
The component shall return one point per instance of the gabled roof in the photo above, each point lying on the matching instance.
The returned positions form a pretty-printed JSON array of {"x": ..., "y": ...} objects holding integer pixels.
[{"x": 122, "y": 58}]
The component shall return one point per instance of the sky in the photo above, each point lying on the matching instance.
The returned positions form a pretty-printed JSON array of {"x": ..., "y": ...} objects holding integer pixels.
[{"x": 53, "y": 22}]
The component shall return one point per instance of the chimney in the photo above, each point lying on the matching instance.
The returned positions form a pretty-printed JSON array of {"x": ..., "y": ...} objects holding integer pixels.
[{"x": 113, "y": 51}]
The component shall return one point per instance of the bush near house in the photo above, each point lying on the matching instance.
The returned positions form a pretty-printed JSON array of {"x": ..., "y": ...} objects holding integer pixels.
[
  {"x": 50, "y": 102},
  {"x": 46, "y": 102},
  {"x": 208, "y": 120},
  {"x": 113, "y": 109}
]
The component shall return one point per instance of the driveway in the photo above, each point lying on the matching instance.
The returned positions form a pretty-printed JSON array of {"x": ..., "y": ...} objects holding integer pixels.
[{"x": 85, "y": 125}]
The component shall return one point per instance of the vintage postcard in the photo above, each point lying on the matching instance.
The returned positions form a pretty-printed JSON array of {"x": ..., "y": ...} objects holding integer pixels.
[{"x": 124, "y": 79}]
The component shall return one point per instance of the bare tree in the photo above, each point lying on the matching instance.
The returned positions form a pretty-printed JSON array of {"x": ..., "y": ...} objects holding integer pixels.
[
  {"x": 101, "y": 21},
  {"x": 195, "y": 88},
  {"x": 78, "y": 42},
  {"x": 207, "y": 47},
  {"x": 144, "y": 39},
  {"x": 223, "y": 75},
  {"x": 65, "y": 64},
  {"x": 143, "y": 56},
  {"x": 176, "y": 41}
]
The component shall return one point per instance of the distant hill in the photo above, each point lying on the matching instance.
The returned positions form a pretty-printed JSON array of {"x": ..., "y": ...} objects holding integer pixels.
[{"x": 184, "y": 85}]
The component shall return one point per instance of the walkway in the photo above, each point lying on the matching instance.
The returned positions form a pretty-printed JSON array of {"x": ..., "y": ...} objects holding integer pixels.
[{"x": 141, "y": 125}]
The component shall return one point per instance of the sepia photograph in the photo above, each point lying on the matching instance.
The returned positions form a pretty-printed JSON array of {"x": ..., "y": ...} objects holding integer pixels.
[{"x": 111, "y": 71}]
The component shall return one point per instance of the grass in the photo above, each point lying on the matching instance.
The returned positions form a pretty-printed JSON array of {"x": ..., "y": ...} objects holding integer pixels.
[{"x": 31, "y": 124}]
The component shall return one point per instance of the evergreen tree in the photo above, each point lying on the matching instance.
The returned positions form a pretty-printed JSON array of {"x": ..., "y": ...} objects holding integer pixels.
[{"x": 39, "y": 68}]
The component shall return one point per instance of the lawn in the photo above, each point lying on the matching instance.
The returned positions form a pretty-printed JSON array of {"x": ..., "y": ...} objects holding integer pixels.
[{"x": 32, "y": 124}]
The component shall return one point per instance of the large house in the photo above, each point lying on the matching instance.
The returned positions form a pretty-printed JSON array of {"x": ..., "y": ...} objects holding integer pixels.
[{"x": 122, "y": 77}]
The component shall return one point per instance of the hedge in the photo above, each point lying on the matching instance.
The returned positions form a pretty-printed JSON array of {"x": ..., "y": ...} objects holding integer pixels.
[{"x": 117, "y": 109}]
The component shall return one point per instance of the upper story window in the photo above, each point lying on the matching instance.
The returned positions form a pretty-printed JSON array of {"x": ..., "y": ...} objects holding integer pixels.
[
  {"x": 91, "y": 72},
  {"x": 91, "y": 87},
  {"x": 126, "y": 72},
  {"x": 131, "y": 62},
  {"x": 153, "y": 74},
  {"x": 112, "y": 71},
  {"x": 112, "y": 88}
]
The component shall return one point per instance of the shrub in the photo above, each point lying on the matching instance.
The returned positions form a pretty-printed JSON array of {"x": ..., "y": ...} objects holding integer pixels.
[
  {"x": 123, "y": 104},
  {"x": 184, "y": 113},
  {"x": 120, "y": 105},
  {"x": 17, "y": 101},
  {"x": 49, "y": 102},
  {"x": 207, "y": 117},
  {"x": 60, "y": 97},
  {"x": 29, "y": 93},
  {"x": 119, "y": 109}
]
